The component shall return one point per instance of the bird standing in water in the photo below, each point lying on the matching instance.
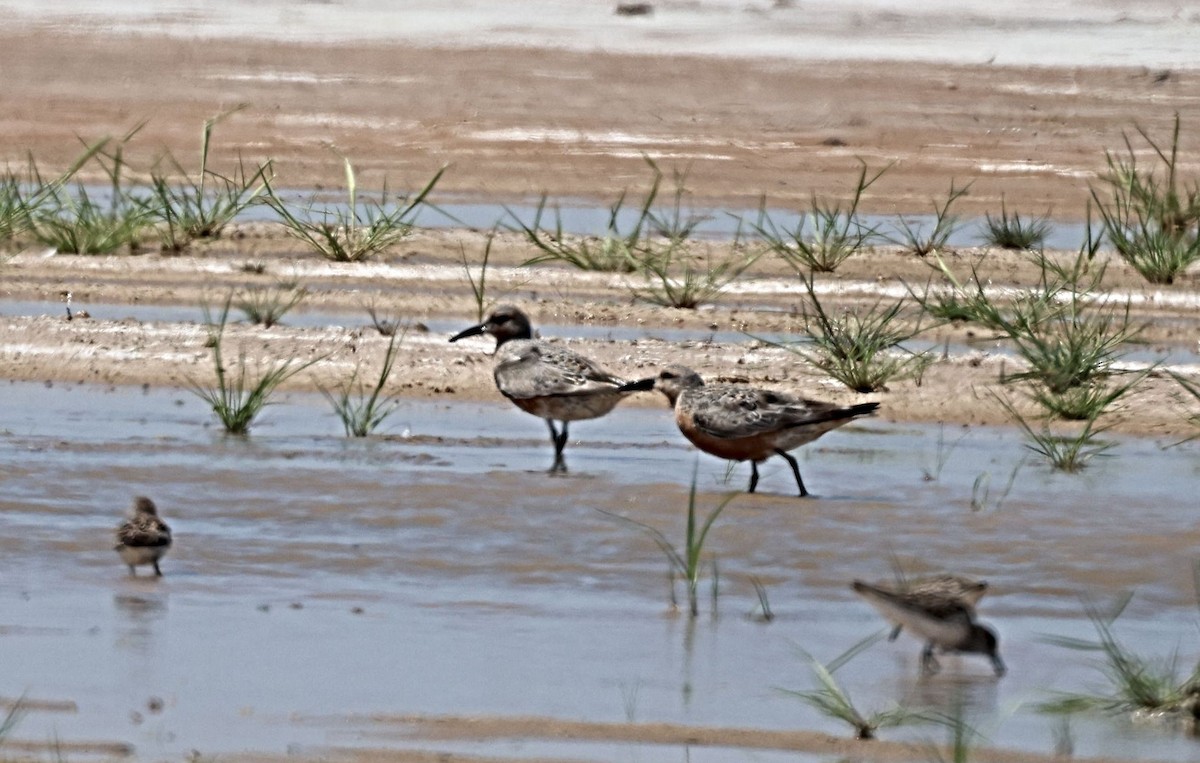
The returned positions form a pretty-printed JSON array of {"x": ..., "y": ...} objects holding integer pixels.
[
  {"x": 743, "y": 423},
  {"x": 144, "y": 538},
  {"x": 548, "y": 381}
]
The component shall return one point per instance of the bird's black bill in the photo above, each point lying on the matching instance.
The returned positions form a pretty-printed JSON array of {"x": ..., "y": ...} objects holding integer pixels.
[
  {"x": 998, "y": 665},
  {"x": 473, "y": 331},
  {"x": 641, "y": 385}
]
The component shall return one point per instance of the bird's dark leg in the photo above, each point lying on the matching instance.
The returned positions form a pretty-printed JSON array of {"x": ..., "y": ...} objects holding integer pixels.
[
  {"x": 157, "y": 571},
  {"x": 560, "y": 442},
  {"x": 753, "y": 476},
  {"x": 132, "y": 572},
  {"x": 795, "y": 470},
  {"x": 895, "y": 634},
  {"x": 929, "y": 663}
]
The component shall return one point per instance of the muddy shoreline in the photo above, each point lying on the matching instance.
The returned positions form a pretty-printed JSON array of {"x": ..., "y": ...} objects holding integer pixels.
[
  {"x": 423, "y": 283},
  {"x": 433, "y": 583}
]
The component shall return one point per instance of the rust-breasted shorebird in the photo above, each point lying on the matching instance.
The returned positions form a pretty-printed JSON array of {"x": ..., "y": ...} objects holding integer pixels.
[
  {"x": 743, "y": 423},
  {"x": 947, "y": 625},
  {"x": 548, "y": 381},
  {"x": 952, "y": 588},
  {"x": 144, "y": 538}
]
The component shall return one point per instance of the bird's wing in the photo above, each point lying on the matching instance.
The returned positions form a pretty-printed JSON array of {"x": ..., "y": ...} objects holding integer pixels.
[
  {"x": 144, "y": 532},
  {"x": 536, "y": 369},
  {"x": 940, "y": 619},
  {"x": 733, "y": 411}
]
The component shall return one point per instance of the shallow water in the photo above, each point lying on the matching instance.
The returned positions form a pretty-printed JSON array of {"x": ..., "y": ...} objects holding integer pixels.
[
  {"x": 486, "y": 587},
  {"x": 1178, "y": 357}
]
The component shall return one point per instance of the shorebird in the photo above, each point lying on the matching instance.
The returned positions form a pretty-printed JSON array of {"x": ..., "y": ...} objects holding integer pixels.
[
  {"x": 945, "y": 624},
  {"x": 952, "y": 588},
  {"x": 743, "y": 423},
  {"x": 143, "y": 538},
  {"x": 550, "y": 382}
]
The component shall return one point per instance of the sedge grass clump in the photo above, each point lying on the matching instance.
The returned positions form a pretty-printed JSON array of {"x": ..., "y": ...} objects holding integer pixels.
[
  {"x": 924, "y": 239},
  {"x": 1144, "y": 686},
  {"x": 653, "y": 235},
  {"x": 360, "y": 408},
  {"x": 1067, "y": 452},
  {"x": 73, "y": 222},
  {"x": 1007, "y": 311},
  {"x": 14, "y": 212},
  {"x": 681, "y": 279},
  {"x": 201, "y": 206},
  {"x": 862, "y": 348},
  {"x": 1011, "y": 232},
  {"x": 833, "y": 701},
  {"x": 1071, "y": 341},
  {"x": 266, "y": 305},
  {"x": 685, "y": 563},
  {"x": 674, "y": 273},
  {"x": 240, "y": 394},
  {"x": 825, "y": 236},
  {"x": 617, "y": 250},
  {"x": 1075, "y": 346},
  {"x": 1151, "y": 216},
  {"x": 1087, "y": 401},
  {"x": 24, "y": 196},
  {"x": 358, "y": 231}
]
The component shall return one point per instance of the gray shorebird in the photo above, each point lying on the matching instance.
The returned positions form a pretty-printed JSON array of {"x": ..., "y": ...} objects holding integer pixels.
[
  {"x": 945, "y": 624},
  {"x": 743, "y": 423},
  {"x": 550, "y": 382},
  {"x": 144, "y": 538},
  {"x": 952, "y": 588}
]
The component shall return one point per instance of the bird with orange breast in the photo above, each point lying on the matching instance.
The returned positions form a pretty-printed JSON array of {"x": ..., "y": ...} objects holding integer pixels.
[{"x": 744, "y": 423}]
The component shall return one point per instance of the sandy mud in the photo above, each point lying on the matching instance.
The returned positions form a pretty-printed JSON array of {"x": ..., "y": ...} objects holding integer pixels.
[{"x": 428, "y": 593}]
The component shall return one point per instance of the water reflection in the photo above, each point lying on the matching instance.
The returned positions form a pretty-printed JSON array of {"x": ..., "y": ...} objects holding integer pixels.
[{"x": 137, "y": 616}]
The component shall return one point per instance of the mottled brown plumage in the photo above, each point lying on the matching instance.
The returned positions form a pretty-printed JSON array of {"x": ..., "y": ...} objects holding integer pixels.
[
  {"x": 954, "y": 588},
  {"x": 946, "y": 624},
  {"x": 550, "y": 382},
  {"x": 743, "y": 423},
  {"x": 144, "y": 538}
]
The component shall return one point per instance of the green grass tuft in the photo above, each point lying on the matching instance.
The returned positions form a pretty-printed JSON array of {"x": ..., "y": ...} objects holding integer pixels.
[
  {"x": 923, "y": 241},
  {"x": 201, "y": 206},
  {"x": 1011, "y": 232},
  {"x": 239, "y": 396},
  {"x": 362, "y": 410},
  {"x": 358, "y": 232},
  {"x": 1137, "y": 684},
  {"x": 860, "y": 349},
  {"x": 833, "y": 701},
  {"x": 1068, "y": 453},
  {"x": 827, "y": 235},
  {"x": 687, "y": 562},
  {"x": 1151, "y": 216},
  {"x": 266, "y": 305}
]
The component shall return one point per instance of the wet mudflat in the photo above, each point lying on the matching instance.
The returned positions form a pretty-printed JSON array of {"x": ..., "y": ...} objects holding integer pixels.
[{"x": 327, "y": 594}]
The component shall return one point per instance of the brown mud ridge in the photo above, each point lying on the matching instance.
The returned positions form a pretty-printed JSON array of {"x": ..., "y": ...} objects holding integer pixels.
[
  {"x": 417, "y": 729},
  {"x": 423, "y": 281},
  {"x": 515, "y": 122}
]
